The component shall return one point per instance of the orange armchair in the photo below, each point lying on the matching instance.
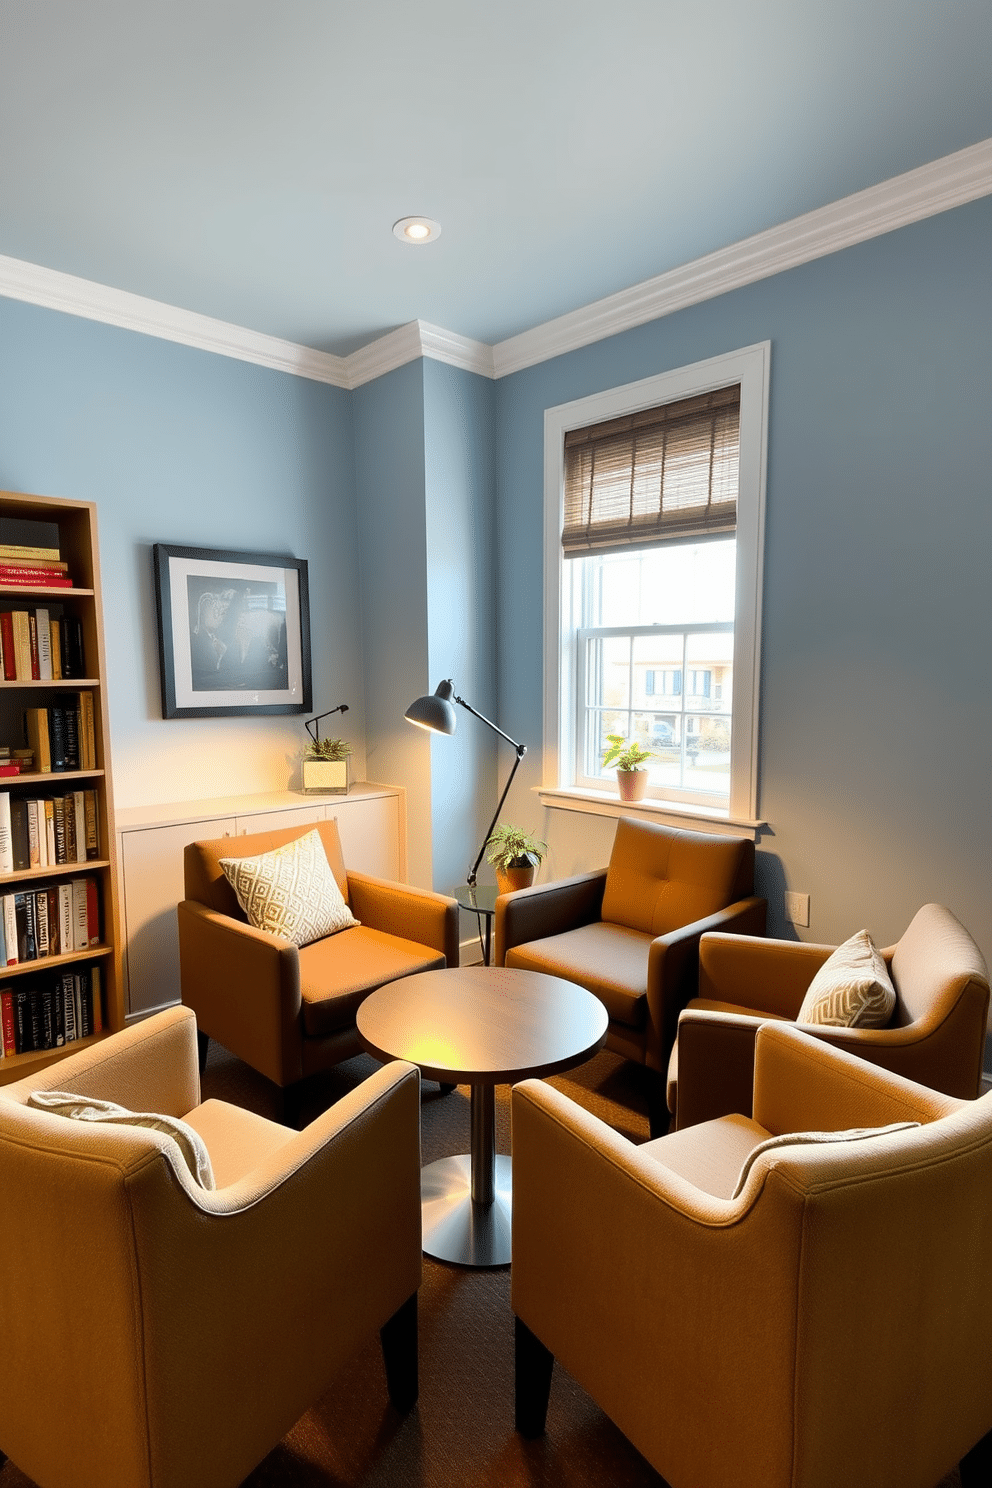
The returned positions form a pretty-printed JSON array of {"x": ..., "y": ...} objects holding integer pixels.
[
  {"x": 936, "y": 1035},
  {"x": 290, "y": 1012},
  {"x": 630, "y": 932}
]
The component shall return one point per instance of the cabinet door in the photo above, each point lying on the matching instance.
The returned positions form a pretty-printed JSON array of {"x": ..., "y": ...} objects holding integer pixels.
[
  {"x": 274, "y": 821},
  {"x": 152, "y": 870},
  {"x": 369, "y": 830}
]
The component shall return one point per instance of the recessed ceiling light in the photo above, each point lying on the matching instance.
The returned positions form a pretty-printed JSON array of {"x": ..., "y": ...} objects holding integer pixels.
[{"x": 416, "y": 230}]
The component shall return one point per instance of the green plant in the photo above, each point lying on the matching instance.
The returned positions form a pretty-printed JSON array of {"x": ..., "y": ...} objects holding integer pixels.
[
  {"x": 327, "y": 749},
  {"x": 625, "y": 754},
  {"x": 512, "y": 847}
]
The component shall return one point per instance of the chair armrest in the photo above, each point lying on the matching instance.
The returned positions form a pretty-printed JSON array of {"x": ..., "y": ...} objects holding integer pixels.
[
  {"x": 802, "y": 1084},
  {"x": 547, "y": 909},
  {"x": 715, "y": 1065},
  {"x": 244, "y": 986},
  {"x": 399, "y": 909},
  {"x": 772, "y": 976},
  {"x": 673, "y": 971},
  {"x": 150, "y": 1066}
]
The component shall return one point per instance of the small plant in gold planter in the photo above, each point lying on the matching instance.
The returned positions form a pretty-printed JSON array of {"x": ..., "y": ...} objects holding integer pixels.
[
  {"x": 628, "y": 757},
  {"x": 325, "y": 767}
]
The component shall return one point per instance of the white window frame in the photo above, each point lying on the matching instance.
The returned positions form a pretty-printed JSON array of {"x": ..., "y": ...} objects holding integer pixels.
[{"x": 750, "y": 367}]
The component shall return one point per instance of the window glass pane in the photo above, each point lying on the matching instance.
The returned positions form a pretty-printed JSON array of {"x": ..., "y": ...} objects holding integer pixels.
[{"x": 678, "y": 584}]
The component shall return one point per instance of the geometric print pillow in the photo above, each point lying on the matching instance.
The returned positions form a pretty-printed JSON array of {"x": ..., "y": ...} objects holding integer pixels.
[
  {"x": 290, "y": 891},
  {"x": 852, "y": 989}
]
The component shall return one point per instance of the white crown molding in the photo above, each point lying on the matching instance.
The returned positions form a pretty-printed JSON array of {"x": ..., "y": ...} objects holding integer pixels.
[
  {"x": 411, "y": 341},
  {"x": 950, "y": 182},
  {"x": 74, "y": 296}
]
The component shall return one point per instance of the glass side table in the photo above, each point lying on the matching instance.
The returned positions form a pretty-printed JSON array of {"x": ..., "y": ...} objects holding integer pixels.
[{"x": 480, "y": 900}]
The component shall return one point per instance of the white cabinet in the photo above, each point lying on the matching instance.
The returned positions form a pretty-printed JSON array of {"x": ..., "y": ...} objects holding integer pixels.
[{"x": 371, "y": 823}]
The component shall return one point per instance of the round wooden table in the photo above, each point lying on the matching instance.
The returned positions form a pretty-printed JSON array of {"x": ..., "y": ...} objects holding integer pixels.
[{"x": 484, "y": 1026}]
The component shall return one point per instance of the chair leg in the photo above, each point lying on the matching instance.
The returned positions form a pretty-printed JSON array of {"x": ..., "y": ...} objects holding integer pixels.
[
  {"x": 976, "y": 1468},
  {"x": 291, "y": 1101},
  {"x": 202, "y": 1045},
  {"x": 446, "y": 1089},
  {"x": 399, "y": 1354},
  {"x": 533, "y": 1364}
]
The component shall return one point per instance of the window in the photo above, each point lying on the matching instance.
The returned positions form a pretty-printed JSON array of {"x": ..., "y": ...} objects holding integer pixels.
[{"x": 653, "y": 538}]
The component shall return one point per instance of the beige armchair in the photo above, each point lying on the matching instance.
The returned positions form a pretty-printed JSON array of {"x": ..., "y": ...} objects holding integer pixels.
[
  {"x": 827, "y": 1324},
  {"x": 154, "y": 1334},
  {"x": 936, "y": 1035},
  {"x": 290, "y": 1012},
  {"x": 629, "y": 933}
]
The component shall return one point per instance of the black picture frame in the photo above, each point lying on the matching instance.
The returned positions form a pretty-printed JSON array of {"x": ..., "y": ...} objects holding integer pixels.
[{"x": 233, "y": 632}]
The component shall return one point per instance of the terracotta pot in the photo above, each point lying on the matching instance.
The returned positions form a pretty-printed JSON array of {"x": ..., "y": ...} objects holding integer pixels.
[
  {"x": 509, "y": 879},
  {"x": 632, "y": 783}
]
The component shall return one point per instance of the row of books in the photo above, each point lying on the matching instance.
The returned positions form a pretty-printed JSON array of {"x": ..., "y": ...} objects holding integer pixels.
[
  {"x": 48, "y": 832},
  {"x": 31, "y": 553},
  {"x": 55, "y": 921},
  {"x": 62, "y": 737},
  {"x": 55, "y": 1011},
  {"x": 37, "y": 646}
]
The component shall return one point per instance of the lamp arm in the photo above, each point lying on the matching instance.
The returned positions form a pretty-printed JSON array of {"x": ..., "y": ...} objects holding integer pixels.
[
  {"x": 521, "y": 751},
  {"x": 521, "y": 748},
  {"x": 315, "y": 731}
]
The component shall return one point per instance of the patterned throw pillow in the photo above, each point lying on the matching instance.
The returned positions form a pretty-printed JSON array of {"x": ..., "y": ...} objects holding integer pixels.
[
  {"x": 805, "y": 1139},
  {"x": 290, "y": 891},
  {"x": 852, "y": 989},
  {"x": 186, "y": 1146}
]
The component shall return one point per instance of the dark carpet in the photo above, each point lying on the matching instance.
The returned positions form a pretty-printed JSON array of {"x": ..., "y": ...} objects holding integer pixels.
[{"x": 461, "y": 1432}]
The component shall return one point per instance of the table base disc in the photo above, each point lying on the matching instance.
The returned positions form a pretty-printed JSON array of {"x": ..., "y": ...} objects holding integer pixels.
[{"x": 457, "y": 1230}]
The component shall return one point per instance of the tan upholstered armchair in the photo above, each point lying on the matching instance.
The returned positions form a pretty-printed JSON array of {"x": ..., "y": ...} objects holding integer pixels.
[
  {"x": 630, "y": 932},
  {"x": 155, "y": 1334},
  {"x": 289, "y": 1012},
  {"x": 936, "y": 1034},
  {"x": 827, "y": 1324}
]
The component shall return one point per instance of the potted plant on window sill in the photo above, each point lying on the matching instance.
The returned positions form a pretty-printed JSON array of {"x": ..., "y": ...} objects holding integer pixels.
[
  {"x": 516, "y": 857},
  {"x": 628, "y": 758},
  {"x": 325, "y": 767}
]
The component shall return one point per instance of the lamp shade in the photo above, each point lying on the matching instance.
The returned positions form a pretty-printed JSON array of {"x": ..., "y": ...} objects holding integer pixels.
[{"x": 434, "y": 710}]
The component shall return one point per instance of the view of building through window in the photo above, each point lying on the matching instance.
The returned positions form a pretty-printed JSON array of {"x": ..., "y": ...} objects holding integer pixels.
[{"x": 655, "y": 662}]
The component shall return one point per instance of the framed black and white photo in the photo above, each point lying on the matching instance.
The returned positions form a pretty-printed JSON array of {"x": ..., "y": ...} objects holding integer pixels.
[{"x": 234, "y": 632}]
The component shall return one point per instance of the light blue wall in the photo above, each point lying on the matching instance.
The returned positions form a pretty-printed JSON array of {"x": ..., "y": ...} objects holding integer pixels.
[
  {"x": 179, "y": 446},
  {"x": 876, "y": 714},
  {"x": 461, "y": 487}
]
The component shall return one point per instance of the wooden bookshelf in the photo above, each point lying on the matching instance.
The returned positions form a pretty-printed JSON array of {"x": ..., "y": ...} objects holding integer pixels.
[{"x": 79, "y": 548}]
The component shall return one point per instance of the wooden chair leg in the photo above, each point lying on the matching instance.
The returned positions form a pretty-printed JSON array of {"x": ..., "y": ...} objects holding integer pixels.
[
  {"x": 399, "y": 1354},
  {"x": 202, "y": 1045},
  {"x": 976, "y": 1468},
  {"x": 533, "y": 1364}
]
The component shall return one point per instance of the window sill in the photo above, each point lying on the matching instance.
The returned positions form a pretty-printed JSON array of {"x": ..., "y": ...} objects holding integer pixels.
[{"x": 671, "y": 813}]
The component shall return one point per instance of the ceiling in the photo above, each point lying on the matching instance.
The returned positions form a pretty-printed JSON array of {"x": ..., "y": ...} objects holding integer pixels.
[{"x": 246, "y": 159}]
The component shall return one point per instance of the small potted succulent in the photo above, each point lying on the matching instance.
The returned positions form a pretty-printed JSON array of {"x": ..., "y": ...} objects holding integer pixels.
[
  {"x": 325, "y": 767},
  {"x": 628, "y": 758},
  {"x": 515, "y": 855}
]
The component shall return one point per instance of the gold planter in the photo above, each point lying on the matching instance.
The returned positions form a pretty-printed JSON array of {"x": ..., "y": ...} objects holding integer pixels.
[
  {"x": 510, "y": 879},
  {"x": 632, "y": 784},
  {"x": 325, "y": 777}
]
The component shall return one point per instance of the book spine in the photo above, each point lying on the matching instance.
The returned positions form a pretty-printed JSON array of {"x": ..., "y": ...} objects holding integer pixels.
[
  {"x": 80, "y": 934},
  {"x": 9, "y": 654},
  {"x": 72, "y": 646},
  {"x": 22, "y": 645},
  {"x": 71, "y": 715},
  {"x": 32, "y": 568},
  {"x": 44, "y": 631},
  {"x": 22, "y": 1019},
  {"x": 87, "y": 732},
  {"x": 7, "y": 1020},
  {"x": 47, "y": 1001},
  {"x": 37, "y": 737},
  {"x": 49, "y": 831},
  {"x": 41, "y": 922},
  {"x": 6, "y": 841},
  {"x": 56, "y": 738},
  {"x": 57, "y": 581},
  {"x": 58, "y": 809},
  {"x": 34, "y": 840},
  {"x": 19, "y": 832},
  {"x": 96, "y": 998},
  {"x": 10, "y": 928},
  {"x": 33, "y": 640},
  {"x": 27, "y": 948},
  {"x": 79, "y": 811},
  {"x": 70, "y": 829},
  {"x": 84, "y": 1006},
  {"x": 58, "y": 1013},
  {"x": 92, "y": 825},
  {"x": 54, "y": 922},
  {"x": 92, "y": 912},
  {"x": 37, "y": 1030},
  {"x": 69, "y": 1023},
  {"x": 55, "y": 645}
]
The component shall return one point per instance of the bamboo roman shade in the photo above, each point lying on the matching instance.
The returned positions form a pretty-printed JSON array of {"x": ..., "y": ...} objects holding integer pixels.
[{"x": 654, "y": 476}]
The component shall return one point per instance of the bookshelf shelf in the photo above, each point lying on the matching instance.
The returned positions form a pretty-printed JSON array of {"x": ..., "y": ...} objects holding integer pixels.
[{"x": 50, "y": 981}]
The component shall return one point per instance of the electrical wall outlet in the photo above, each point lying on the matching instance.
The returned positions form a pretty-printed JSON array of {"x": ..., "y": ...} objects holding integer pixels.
[{"x": 797, "y": 909}]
